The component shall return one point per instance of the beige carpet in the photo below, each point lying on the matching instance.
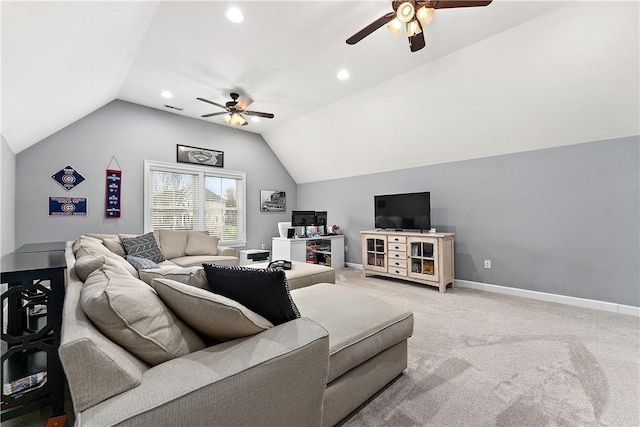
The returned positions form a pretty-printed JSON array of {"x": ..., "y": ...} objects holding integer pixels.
[{"x": 484, "y": 359}]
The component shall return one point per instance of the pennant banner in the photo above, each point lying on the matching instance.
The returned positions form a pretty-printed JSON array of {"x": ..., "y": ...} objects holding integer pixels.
[{"x": 114, "y": 187}]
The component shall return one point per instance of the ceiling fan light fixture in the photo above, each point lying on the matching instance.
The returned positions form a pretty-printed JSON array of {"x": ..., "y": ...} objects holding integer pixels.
[
  {"x": 405, "y": 12},
  {"x": 425, "y": 15},
  {"x": 235, "y": 15},
  {"x": 395, "y": 26},
  {"x": 413, "y": 28},
  {"x": 234, "y": 120}
]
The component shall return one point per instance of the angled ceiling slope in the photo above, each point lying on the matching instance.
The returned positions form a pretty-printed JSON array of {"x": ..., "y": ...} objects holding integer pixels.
[{"x": 485, "y": 84}]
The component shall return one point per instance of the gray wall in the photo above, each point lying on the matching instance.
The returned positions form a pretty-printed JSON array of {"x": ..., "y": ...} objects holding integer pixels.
[
  {"x": 7, "y": 198},
  {"x": 132, "y": 134},
  {"x": 562, "y": 220}
]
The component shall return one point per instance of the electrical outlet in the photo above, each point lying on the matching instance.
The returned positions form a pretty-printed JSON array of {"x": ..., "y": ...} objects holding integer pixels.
[
  {"x": 346, "y": 248},
  {"x": 264, "y": 246},
  {"x": 487, "y": 263}
]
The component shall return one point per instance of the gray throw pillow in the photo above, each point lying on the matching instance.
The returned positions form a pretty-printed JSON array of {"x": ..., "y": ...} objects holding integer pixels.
[
  {"x": 144, "y": 246},
  {"x": 141, "y": 263}
]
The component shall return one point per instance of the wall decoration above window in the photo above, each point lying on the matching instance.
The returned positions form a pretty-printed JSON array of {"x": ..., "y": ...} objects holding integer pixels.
[
  {"x": 273, "y": 201},
  {"x": 200, "y": 156},
  {"x": 67, "y": 206},
  {"x": 68, "y": 177}
]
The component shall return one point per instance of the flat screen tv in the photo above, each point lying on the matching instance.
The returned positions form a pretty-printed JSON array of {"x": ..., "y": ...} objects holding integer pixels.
[
  {"x": 408, "y": 211},
  {"x": 302, "y": 218}
]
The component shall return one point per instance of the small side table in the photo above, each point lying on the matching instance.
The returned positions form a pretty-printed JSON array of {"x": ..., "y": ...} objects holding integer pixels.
[
  {"x": 34, "y": 319},
  {"x": 250, "y": 256}
]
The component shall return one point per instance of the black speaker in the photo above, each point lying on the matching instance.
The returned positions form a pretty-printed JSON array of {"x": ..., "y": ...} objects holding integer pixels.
[{"x": 290, "y": 233}]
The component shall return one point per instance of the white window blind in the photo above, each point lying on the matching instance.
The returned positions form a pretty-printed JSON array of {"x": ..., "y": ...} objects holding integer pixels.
[{"x": 195, "y": 197}]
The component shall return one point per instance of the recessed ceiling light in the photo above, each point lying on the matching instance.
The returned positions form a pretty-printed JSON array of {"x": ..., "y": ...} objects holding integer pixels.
[
  {"x": 166, "y": 94},
  {"x": 343, "y": 74},
  {"x": 255, "y": 119},
  {"x": 235, "y": 15}
]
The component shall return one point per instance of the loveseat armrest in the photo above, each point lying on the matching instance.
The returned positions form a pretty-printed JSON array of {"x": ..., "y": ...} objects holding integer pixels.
[
  {"x": 227, "y": 251},
  {"x": 277, "y": 377}
]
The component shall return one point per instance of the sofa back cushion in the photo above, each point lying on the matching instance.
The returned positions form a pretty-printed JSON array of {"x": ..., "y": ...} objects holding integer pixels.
[
  {"x": 172, "y": 242},
  {"x": 199, "y": 243},
  {"x": 210, "y": 314},
  {"x": 193, "y": 276},
  {"x": 90, "y": 246},
  {"x": 130, "y": 312}
]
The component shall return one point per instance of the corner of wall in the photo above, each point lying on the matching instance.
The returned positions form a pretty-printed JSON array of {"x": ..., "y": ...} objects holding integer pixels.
[{"x": 7, "y": 198}]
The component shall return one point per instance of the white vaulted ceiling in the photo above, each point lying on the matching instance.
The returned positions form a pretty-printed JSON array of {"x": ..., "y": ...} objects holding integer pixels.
[{"x": 512, "y": 76}]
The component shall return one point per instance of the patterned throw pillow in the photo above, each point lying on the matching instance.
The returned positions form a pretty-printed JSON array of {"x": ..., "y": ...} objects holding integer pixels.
[
  {"x": 141, "y": 263},
  {"x": 144, "y": 246},
  {"x": 262, "y": 290}
]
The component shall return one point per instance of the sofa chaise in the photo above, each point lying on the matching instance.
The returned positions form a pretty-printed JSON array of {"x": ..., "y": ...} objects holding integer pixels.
[{"x": 310, "y": 371}]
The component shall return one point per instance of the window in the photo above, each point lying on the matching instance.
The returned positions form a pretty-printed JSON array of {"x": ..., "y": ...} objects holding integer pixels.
[{"x": 195, "y": 197}]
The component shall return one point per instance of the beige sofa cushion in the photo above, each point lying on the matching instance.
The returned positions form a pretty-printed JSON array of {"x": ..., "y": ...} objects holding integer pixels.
[
  {"x": 129, "y": 312},
  {"x": 304, "y": 274},
  {"x": 210, "y": 314},
  {"x": 199, "y": 243},
  {"x": 193, "y": 276},
  {"x": 364, "y": 327},
  {"x": 86, "y": 245},
  {"x": 172, "y": 242},
  {"x": 198, "y": 260}
]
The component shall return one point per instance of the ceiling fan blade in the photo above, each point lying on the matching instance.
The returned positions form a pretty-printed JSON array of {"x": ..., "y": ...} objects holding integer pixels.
[
  {"x": 371, "y": 28},
  {"x": 449, "y": 4},
  {"x": 211, "y": 102},
  {"x": 259, "y": 114},
  {"x": 416, "y": 42},
  {"x": 214, "y": 114},
  {"x": 244, "y": 102}
]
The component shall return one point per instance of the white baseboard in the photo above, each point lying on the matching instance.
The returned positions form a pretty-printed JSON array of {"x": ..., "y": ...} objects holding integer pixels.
[{"x": 543, "y": 296}]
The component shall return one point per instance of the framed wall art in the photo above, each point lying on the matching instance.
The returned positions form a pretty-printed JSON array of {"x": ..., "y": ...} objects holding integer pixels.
[
  {"x": 200, "y": 156},
  {"x": 273, "y": 201}
]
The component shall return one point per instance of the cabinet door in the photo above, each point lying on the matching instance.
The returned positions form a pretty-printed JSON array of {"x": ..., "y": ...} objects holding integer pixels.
[
  {"x": 423, "y": 258},
  {"x": 374, "y": 253}
]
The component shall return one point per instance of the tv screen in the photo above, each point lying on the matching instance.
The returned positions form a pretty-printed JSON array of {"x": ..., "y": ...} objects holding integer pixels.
[
  {"x": 302, "y": 218},
  {"x": 321, "y": 218},
  {"x": 409, "y": 211}
]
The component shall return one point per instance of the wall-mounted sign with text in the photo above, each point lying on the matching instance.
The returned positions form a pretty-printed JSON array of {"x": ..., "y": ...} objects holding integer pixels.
[
  {"x": 67, "y": 206},
  {"x": 68, "y": 177}
]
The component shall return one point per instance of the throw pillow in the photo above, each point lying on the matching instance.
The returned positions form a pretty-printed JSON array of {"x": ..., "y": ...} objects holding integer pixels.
[
  {"x": 144, "y": 246},
  {"x": 141, "y": 263},
  {"x": 201, "y": 244},
  {"x": 210, "y": 314},
  {"x": 132, "y": 315},
  {"x": 262, "y": 290}
]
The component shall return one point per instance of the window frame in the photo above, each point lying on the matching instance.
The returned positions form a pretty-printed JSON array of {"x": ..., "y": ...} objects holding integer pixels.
[{"x": 202, "y": 172}]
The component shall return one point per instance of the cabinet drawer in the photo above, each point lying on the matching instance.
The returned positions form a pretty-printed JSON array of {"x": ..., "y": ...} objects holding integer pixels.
[
  {"x": 397, "y": 271},
  {"x": 397, "y": 255},
  {"x": 397, "y": 263},
  {"x": 401, "y": 247},
  {"x": 397, "y": 239}
]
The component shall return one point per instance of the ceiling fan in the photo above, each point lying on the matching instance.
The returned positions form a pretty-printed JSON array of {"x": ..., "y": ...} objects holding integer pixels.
[
  {"x": 234, "y": 110},
  {"x": 415, "y": 15}
]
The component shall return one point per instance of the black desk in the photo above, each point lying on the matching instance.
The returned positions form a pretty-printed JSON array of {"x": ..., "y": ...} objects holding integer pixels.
[{"x": 35, "y": 293}]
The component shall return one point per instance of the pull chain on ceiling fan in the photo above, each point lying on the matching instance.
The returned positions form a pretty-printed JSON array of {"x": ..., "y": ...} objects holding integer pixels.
[
  {"x": 234, "y": 110},
  {"x": 414, "y": 15}
]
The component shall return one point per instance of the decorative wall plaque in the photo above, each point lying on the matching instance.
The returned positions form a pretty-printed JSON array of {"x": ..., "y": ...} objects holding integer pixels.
[{"x": 68, "y": 177}]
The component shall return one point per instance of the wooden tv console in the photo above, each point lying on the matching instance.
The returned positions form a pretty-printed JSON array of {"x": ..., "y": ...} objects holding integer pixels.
[{"x": 425, "y": 258}]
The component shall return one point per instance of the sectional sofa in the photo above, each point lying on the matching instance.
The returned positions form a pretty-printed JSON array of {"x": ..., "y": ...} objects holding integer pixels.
[{"x": 310, "y": 371}]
